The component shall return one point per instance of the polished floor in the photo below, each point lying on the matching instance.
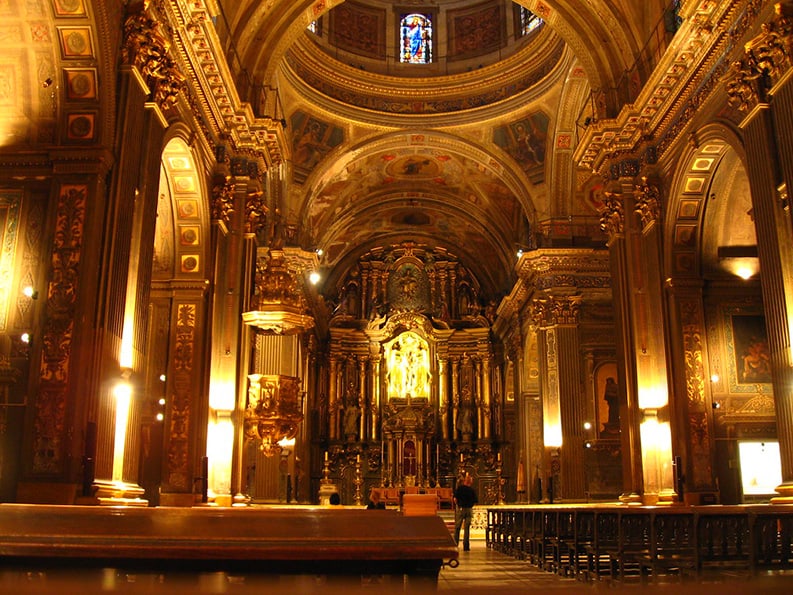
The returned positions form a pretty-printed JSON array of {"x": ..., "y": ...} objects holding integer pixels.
[
  {"x": 480, "y": 571},
  {"x": 483, "y": 571}
]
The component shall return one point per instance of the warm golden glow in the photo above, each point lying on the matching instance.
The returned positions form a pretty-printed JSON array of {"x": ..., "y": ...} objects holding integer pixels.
[
  {"x": 122, "y": 393},
  {"x": 222, "y": 396},
  {"x": 653, "y": 397},
  {"x": 745, "y": 268},
  {"x": 761, "y": 467},
  {"x": 125, "y": 355},
  {"x": 656, "y": 438},
  {"x": 220, "y": 443},
  {"x": 408, "y": 365}
]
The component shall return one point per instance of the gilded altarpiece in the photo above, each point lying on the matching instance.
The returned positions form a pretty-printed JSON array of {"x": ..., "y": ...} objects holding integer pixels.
[{"x": 414, "y": 391}]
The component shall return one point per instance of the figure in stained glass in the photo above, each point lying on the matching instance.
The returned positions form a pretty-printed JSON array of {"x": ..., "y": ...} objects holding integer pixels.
[{"x": 416, "y": 32}]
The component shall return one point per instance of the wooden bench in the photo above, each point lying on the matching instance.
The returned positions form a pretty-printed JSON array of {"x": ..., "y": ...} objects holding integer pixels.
[{"x": 272, "y": 541}]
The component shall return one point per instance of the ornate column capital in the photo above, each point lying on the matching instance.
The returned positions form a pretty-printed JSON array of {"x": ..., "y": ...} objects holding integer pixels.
[
  {"x": 612, "y": 215},
  {"x": 556, "y": 311},
  {"x": 766, "y": 59},
  {"x": 647, "y": 202},
  {"x": 146, "y": 48}
]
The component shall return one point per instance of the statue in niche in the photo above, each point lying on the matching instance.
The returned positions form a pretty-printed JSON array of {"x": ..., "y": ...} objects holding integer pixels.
[
  {"x": 351, "y": 420},
  {"x": 611, "y": 396},
  {"x": 465, "y": 423}
]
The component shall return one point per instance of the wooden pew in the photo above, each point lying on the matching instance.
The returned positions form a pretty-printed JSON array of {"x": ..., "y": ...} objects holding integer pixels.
[{"x": 272, "y": 541}]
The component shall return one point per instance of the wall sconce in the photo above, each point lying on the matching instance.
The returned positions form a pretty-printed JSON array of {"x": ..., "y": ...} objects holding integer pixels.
[{"x": 30, "y": 292}]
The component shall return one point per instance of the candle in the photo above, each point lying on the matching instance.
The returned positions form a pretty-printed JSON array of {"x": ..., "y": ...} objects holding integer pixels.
[
  {"x": 461, "y": 457},
  {"x": 326, "y": 455},
  {"x": 357, "y": 458},
  {"x": 499, "y": 456}
]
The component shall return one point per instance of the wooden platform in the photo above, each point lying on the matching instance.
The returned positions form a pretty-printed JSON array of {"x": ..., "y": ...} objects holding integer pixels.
[{"x": 299, "y": 540}]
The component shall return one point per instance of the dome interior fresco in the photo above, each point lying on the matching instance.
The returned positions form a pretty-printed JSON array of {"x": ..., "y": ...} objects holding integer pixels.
[{"x": 458, "y": 153}]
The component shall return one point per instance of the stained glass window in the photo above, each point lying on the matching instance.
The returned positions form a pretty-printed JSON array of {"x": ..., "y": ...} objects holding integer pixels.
[
  {"x": 528, "y": 21},
  {"x": 416, "y": 35}
]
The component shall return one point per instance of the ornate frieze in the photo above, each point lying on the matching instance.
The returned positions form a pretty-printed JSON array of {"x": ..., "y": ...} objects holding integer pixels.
[{"x": 58, "y": 332}]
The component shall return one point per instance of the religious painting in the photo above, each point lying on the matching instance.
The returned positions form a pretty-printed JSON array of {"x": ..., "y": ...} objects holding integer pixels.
[
  {"x": 747, "y": 342},
  {"x": 408, "y": 288},
  {"x": 416, "y": 35},
  {"x": 312, "y": 140},
  {"x": 607, "y": 408},
  {"x": 525, "y": 141}
]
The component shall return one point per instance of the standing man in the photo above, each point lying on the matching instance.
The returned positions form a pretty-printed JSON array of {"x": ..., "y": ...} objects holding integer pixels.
[{"x": 464, "y": 500}]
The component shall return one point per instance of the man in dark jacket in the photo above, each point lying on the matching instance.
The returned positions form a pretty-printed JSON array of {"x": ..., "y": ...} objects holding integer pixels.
[{"x": 464, "y": 500}]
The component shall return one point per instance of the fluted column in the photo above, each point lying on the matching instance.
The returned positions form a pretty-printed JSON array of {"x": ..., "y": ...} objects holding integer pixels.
[
  {"x": 374, "y": 407},
  {"x": 487, "y": 412},
  {"x": 612, "y": 221},
  {"x": 761, "y": 86},
  {"x": 362, "y": 397},
  {"x": 443, "y": 399},
  {"x": 455, "y": 394},
  {"x": 333, "y": 405},
  {"x": 557, "y": 319}
]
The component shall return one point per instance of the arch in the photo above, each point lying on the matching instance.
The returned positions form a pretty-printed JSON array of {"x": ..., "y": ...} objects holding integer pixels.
[
  {"x": 181, "y": 236},
  {"x": 712, "y": 163}
]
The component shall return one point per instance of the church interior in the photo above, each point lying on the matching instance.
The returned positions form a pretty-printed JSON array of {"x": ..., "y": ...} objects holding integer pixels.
[{"x": 258, "y": 252}]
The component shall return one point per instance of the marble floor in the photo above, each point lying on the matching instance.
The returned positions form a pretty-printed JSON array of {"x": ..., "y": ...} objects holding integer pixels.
[{"x": 483, "y": 571}]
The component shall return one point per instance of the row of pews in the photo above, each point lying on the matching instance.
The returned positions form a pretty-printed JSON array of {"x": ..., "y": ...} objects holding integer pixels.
[{"x": 622, "y": 543}]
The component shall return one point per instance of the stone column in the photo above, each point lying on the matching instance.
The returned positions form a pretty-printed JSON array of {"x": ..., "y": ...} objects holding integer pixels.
[
  {"x": 557, "y": 319},
  {"x": 761, "y": 86},
  {"x": 333, "y": 405},
  {"x": 443, "y": 399},
  {"x": 487, "y": 412},
  {"x": 612, "y": 221}
]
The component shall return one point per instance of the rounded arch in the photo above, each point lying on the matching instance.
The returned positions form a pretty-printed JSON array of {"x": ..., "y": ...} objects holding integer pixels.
[
  {"x": 181, "y": 244},
  {"x": 709, "y": 229}
]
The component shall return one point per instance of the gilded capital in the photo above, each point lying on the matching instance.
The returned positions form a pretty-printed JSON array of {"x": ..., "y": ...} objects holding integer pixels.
[
  {"x": 612, "y": 215},
  {"x": 647, "y": 202}
]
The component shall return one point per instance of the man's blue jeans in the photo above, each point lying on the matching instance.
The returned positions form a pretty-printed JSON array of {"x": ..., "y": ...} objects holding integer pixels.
[{"x": 462, "y": 519}]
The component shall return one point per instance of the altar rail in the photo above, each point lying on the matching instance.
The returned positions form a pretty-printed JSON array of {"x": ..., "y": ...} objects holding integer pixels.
[
  {"x": 274, "y": 541},
  {"x": 619, "y": 542}
]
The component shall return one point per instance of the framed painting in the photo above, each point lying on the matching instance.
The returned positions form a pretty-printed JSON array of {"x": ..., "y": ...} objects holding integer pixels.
[{"x": 748, "y": 361}]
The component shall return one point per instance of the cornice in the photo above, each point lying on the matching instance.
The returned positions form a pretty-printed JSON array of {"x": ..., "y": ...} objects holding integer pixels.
[
  {"x": 686, "y": 76},
  {"x": 201, "y": 57},
  {"x": 311, "y": 71}
]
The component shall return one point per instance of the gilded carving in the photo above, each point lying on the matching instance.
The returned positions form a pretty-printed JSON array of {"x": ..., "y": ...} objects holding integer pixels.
[
  {"x": 223, "y": 200},
  {"x": 556, "y": 311},
  {"x": 146, "y": 48},
  {"x": 273, "y": 410},
  {"x": 178, "y": 444},
  {"x": 648, "y": 203},
  {"x": 612, "y": 216},
  {"x": 255, "y": 212},
  {"x": 58, "y": 331}
]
